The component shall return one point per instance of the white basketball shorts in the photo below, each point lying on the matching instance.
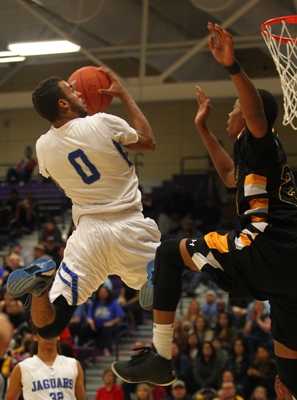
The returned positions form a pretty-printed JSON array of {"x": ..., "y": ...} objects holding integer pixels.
[{"x": 119, "y": 243}]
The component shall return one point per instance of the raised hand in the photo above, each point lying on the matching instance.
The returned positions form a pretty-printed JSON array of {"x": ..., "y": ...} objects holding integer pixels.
[
  {"x": 204, "y": 108},
  {"x": 116, "y": 88},
  {"x": 223, "y": 48}
]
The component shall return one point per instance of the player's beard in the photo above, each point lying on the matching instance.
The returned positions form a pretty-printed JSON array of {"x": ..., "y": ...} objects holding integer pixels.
[{"x": 78, "y": 108}]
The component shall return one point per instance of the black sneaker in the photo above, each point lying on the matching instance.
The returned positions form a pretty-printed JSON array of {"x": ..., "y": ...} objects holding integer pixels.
[
  {"x": 147, "y": 366},
  {"x": 34, "y": 279}
]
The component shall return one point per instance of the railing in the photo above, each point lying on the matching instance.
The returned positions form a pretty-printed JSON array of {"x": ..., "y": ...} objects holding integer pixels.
[{"x": 203, "y": 163}]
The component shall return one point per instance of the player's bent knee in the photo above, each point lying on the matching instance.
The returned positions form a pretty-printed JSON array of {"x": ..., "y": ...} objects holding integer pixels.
[
  {"x": 167, "y": 276},
  {"x": 64, "y": 314},
  {"x": 287, "y": 373},
  {"x": 169, "y": 251}
]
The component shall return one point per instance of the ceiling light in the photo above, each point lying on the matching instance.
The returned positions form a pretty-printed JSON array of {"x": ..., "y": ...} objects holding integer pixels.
[
  {"x": 11, "y": 59},
  {"x": 8, "y": 53},
  {"x": 40, "y": 48}
]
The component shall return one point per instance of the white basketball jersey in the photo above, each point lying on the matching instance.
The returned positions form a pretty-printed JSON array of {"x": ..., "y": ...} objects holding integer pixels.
[
  {"x": 87, "y": 161},
  {"x": 43, "y": 382}
]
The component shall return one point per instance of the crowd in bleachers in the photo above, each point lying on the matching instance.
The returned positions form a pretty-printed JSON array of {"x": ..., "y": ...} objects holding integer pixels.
[{"x": 217, "y": 347}]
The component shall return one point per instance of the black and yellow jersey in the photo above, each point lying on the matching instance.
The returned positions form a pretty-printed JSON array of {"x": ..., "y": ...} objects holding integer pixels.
[{"x": 266, "y": 187}]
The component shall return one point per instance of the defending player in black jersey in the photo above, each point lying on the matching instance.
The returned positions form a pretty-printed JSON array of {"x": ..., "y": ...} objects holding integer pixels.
[{"x": 259, "y": 261}]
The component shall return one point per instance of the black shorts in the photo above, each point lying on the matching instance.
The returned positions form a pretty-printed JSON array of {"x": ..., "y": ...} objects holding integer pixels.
[{"x": 257, "y": 264}]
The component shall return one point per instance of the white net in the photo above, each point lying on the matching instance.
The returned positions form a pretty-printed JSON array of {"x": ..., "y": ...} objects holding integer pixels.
[{"x": 285, "y": 58}]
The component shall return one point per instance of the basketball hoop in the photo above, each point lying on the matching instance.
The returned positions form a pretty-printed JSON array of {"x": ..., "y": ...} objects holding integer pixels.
[{"x": 283, "y": 48}]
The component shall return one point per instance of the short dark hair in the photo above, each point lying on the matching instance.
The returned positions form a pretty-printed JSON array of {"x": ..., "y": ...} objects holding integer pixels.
[
  {"x": 270, "y": 105},
  {"x": 46, "y": 96}
]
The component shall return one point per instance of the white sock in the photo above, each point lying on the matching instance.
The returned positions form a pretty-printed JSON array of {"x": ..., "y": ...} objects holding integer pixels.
[{"x": 162, "y": 339}]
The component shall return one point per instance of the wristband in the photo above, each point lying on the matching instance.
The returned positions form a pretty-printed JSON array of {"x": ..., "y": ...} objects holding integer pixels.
[{"x": 234, "y": 68}]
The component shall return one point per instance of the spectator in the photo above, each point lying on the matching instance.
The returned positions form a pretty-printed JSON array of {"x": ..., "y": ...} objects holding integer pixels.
[
  {"x": 229, "y": 217},
  {"x": 27, "y": 213},
  {"x": 191, "y": 315},
  {"x": 207, "y": 216},
  {"x": 206, "y": 394},
  {"x": 183, "y": 367},
  {"x": 229, "y": 391},
  {"x": 259, "y": 393},
  {"x": 209, "y": 308},
  {"x": 103, "y": 314},
  {"x": 258, "y": 327},
  {"x": 180, "y": 337},
  {"x": 223, "y": 307},
  {"x": 225, "y": 330},
  {"x": 129, "y": 300},
  {"x": 10, "y": 207},
  {"x": 221, "y": 352},
  {"x": 110, "y": 391},
  {"x": 51, "y": 234},
  {"x": 175, "y": 210},
  {"x": 25, "y": 256},
  {"x": 143, "y": 392},
  {"x": 6, "y": 300},
  {"x": 227, "y": 376},
  {"x": 39, "y": 251},
  {"x": 207, "y": 370},
  {"x": 263, "y": 371},
  {"x": 192, "y": 349},
  {"x": 179, "y": 391},
  {"x": 158, "y": 392},
  {"x": 239, "y": 363},
  {"x": 15, "y": 315},
  {"x": 66, "y": 344},
  {"x": 23, "y": 170},
  {"x": 201, "y": 329},
  {"x": 188, "y": 230},
  {"x": 78, "y": 324},
  {"x": 14, "y": 261}
]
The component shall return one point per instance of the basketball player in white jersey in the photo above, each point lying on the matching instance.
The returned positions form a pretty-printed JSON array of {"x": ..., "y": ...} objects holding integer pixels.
[
  {"x": 47, "y": 375},
  {"x": 84, "y": 155}
]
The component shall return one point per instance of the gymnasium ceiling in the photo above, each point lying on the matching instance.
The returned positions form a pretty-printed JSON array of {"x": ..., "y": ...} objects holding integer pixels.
[{"x": 152, "y": 45}]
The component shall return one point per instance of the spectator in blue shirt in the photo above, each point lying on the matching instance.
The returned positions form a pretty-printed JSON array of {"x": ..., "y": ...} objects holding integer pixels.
[{"x": 103, "y": 314}]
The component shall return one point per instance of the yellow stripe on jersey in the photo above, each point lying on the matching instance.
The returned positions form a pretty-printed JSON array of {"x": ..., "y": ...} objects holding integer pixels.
[
  {"x": 255, "y": 184},
  {"x": 259, "y": 203},
  {"x": 216, "y": 241},
  {"x": 246, "y": 241},
  {"x": 258, "y": 219}
]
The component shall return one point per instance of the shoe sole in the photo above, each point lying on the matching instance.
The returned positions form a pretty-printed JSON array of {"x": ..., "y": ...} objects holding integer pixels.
[
  {"x": 154, "y": 382},
  {"x": 21, "y": 282},
  {"x": 146, "y": 297}
]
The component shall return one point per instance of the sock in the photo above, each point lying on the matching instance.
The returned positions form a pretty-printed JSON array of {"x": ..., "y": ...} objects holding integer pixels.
[{"x": 162, "y": 339}]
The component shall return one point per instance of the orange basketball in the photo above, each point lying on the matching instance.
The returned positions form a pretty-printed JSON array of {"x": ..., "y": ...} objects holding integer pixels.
[{"x": 87, "y": 81}]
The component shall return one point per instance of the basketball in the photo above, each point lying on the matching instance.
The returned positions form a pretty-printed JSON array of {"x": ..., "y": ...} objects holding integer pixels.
[{"x": 87, "y": 81}]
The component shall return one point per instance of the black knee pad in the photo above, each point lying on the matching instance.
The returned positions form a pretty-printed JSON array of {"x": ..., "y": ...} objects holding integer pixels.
[
  {"x": 167, "y": 277},
  {"x": 64, "y": 314}
]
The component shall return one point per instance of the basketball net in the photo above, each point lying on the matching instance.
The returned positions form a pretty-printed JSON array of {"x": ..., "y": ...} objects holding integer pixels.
[{"x": 283, "y": 49}]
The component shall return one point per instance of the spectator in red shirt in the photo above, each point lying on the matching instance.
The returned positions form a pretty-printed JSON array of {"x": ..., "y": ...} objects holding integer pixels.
[
  {"x": 66, "y": 344},
  {"x": 158, "y": 392},
  {"x": 23, "y": 170},
  {"x": 110, "y": 391}
]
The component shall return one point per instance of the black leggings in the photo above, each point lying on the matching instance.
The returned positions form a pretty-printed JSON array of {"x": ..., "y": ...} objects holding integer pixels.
[{"x": 64, "y": 314}]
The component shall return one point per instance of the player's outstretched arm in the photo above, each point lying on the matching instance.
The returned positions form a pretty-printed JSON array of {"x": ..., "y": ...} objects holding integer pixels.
[
  {"x": 221, "y": 160},
  {"x": 80, "y": 392},
  {"x": 15, "y": 387},
  {"x": 146, "y": 141},
  {"x": 249, "y": 98}
]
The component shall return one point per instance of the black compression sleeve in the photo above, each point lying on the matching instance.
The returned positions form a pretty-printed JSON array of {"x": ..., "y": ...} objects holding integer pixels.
[{"x": 64, "y": 314}]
